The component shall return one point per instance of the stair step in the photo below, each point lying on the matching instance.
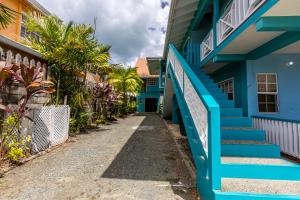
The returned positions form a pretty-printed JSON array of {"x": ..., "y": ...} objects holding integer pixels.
[
  {"x": 244, "y": 142},
  {"x": 259, "y": 161},
  {"x": 236, "y": 121},
  {"x": 257, "y": 186},
  {"x": 207, "y": 81},
  {"x": 231, "y": 112},
  {"x": 215, "y": 90},
  {"x": 243, "y": 134},
  {"x": 250, "y": 149},
  {"x": 220, "y": 96},
  {"x": 226, "y": 103},
  {"x": 211, "y": 86}
]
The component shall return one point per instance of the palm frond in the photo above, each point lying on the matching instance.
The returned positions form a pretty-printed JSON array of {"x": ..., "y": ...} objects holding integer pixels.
[{"x": 7, "y": 16}]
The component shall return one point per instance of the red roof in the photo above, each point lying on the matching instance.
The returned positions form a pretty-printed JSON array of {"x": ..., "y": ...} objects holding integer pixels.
[{"x": 142, "y": 66}]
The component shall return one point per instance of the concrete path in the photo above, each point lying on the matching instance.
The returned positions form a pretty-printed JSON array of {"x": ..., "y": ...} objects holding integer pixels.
[{"x": 134, "y": 158}]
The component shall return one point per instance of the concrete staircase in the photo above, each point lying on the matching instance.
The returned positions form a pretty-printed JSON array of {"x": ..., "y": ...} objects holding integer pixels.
[
  {"x": 246, "y": 154},
  {"x": 238, "y": 136}
]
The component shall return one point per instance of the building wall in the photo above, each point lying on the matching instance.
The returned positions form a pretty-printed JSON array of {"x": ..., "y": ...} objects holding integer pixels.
[
  {"x": 14, "y": 29},
  {"x": 237, "y": 71},
  {"x": 149, "y": 92},
  {"x": 288, "y": 84}
]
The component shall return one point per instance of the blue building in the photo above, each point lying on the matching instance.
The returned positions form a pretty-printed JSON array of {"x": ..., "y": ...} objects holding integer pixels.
[
  {"x": 149, "y": 98},
  {"x": 232, "y": 72}
]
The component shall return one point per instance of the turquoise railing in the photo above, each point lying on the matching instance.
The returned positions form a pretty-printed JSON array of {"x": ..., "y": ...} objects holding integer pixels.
[{"x": 202, "y": 122}]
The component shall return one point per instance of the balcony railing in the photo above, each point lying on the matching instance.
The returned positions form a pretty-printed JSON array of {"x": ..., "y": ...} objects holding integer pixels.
[
  {"x": 207, "y": 45},
  {"x": 235, "y": 14}
]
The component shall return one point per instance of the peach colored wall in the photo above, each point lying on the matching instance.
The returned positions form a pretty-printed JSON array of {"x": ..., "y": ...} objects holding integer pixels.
[{"x": 14, "y": 29}]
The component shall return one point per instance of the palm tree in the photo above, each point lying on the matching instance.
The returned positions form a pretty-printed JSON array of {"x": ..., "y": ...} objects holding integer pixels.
[
  {"x": 70, "y": 48},
  {"x": 7, "y": 15},
  {"x": 126, "y": 81}
]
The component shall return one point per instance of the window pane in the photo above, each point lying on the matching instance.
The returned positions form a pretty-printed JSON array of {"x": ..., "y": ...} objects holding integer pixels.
[
  {"x": 262, "y": 88},
  {"x": 272, "y": 88},
  {"x": 272, "y": 108},
  {"x": 272, "y": 78},
  {"x": 262, "y": 107},
  {"x": 262, "y": 98},
  {"x": 272, "y": 99},
  {"x": 261, "y": 78}
]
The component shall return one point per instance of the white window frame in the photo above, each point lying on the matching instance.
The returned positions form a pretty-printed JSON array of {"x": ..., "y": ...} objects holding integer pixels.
[
  {"x": 225, "y": 81},
  {"x": 266, "y": 93},
  {"x": 151, "y": 82}
]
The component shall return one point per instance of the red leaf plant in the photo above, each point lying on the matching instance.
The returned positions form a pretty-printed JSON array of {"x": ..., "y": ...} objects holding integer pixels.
[{"x": 25, "y": 76}]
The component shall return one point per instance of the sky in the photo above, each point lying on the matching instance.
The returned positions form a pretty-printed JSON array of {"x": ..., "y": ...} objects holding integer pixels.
[{"x": 134, "y": 28}]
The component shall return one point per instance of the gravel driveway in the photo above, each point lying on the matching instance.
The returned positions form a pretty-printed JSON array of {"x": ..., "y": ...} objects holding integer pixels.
[{"x": 134, "y": 158}]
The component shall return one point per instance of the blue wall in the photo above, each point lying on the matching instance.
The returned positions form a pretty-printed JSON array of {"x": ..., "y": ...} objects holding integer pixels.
[
  {"x": 149, "y": 92},
  {"x": 238, "y": 72},
  {"x": 288, "y": 84}
]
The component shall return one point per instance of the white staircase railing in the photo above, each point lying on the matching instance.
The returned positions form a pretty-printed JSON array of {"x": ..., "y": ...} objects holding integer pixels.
[
  {"x": 202, "y": 117},
  {"x": 207, "y": 45},
  {"x": 235, "y": 14}
]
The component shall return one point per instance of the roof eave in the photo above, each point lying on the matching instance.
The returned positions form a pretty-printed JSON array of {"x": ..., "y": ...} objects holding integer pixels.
[{"x": 19, "y": 46}]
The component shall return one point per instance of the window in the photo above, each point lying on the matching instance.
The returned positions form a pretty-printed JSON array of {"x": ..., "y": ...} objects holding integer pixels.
[
  {"x": 267, "y": 90},
  {"x": 24, "y": 31},
  {"x": 23, "y": 28},
  {"x": 151, "y": 82},
  {"x": 227, "y": 86}
]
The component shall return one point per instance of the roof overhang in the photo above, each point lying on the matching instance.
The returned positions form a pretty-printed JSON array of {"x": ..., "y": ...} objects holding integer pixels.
[
  {"x": 39, "y": 7},
  {"x": 181, "y": 15},
  {"x": 19, "y": 46}
]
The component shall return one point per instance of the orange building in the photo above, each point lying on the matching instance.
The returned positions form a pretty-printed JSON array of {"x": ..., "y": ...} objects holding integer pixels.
[{"x": 11, "y": 49}]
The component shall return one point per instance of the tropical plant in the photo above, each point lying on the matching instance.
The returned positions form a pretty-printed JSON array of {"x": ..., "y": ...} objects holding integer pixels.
[
  {"x": 71, "y": 49},
  {"x": 105, "y": 101},
  {"x": 7, "y": 16},
  {"x": 30, "y": 78},
  {"x": 127, "y": 82}
]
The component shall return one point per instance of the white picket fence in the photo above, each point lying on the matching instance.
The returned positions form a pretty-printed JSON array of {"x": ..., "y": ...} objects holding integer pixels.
[
  {"x": 281, "y": 132},
  {"x": 51, "y": 127}
]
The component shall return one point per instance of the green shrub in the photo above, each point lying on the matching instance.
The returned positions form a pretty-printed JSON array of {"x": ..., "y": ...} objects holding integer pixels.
[{"x": 14, "y": 146}]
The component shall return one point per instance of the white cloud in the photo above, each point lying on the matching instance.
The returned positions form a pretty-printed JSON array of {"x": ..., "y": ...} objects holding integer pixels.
[{"x": 127, "y": 25}]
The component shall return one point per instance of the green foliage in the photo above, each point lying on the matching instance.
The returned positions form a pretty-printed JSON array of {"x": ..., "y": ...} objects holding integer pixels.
[
  {"x": 7, "y": 16},
  {"x": 13, "y": 145},
  {"x": 128, "y": 83}
]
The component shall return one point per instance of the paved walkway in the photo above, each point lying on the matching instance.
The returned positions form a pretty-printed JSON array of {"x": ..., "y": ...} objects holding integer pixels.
[{"x": 134, "y": 158}]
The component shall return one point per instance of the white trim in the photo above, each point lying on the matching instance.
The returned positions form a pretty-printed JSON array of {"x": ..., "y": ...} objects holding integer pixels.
[
  {"x": 233, "y": 86},
  {"x": 266, "y": 92}
]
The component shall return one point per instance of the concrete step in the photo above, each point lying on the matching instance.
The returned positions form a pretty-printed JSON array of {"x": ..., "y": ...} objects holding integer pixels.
[
  {"x": 215, "y": 90},
  {"x": 220, "y": 96},
  {"x": 243, "y": 134},
  {"x": 257, "y": 186},
  {"x": 236, "y": 122},
  {"x": 232, "y": 112},
  {"x": 211, "y": 86},
  {"x": 250, "y": 149},
  {"x": 207, "y": 81},
  {"x": 226, "y": 103},
  {"x": 259, "y": 161}
]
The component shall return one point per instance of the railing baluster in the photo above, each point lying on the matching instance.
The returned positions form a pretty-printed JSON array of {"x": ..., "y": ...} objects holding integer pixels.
[{"x": 281, "y": 132}]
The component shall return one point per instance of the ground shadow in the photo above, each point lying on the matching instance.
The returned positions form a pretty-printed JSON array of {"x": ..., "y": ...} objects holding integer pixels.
[{"x": 150, "y": 154}]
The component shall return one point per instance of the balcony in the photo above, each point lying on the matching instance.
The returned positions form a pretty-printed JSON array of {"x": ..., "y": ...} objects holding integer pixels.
[
  {"x": 236, "y": 13},
  {"x": 207, "y": 45}
]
